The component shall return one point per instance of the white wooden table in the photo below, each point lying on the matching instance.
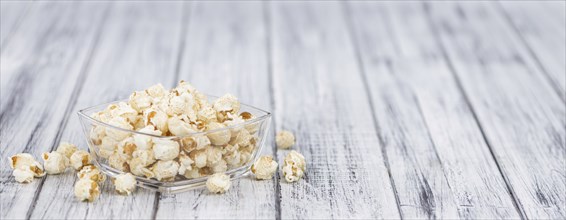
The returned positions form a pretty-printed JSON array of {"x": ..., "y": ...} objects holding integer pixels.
[{"x": 402, "y": 109}]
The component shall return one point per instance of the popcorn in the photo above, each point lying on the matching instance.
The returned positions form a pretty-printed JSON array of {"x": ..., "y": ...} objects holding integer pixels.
[
  {"x": 157, "y": 118},
  {"x": 165, "y": 149},
  {"x": 125, "y": 184},
  {"x": 67, "y": 149},
  {"x": 91, "y": 172},
  {"x": 86, "y": 190},
  {"x": 79, "y": 159},
  {"x": 227, "y": 103},
  {"x": 182, "y": 112},
  {"x": 264, "y": 168},
  {"x": 26, "y": 162},
  {"x": 23, "y": 174},
  {"x": 185, "y": 163},
  {"x": 213, "y": 155},
  {"x": 54, "y": 162},
  {"x": 199, "y": 157},
  {"x": 219, "y": 137},
  {"x": 165, "y": 170},
  {"x": 119, "y": 162},
  {"x": 156, "y": 91},
  {"x": 218, "y": 183},
  {"x": 294, "y": 166},
  {"x": 116, "y": 134},
  {"x": 179, "y": 127},
  {"x": 144, "y": 142},
  {"x": 140, "y": 101},
  {"x": 285, "y": 139}
]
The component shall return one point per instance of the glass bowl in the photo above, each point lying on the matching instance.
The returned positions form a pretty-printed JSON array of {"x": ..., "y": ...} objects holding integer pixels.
[{"x": 102, "y": 152}]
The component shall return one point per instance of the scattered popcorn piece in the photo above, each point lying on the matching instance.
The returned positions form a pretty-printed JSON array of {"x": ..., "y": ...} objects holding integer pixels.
[
  {"x": 218, "y": 183},
  {"x": 285, "y": 139},
  {"x": 91, "y": 172},
  {"x": 264, "y": 168},
  {"x": 165, "y": 170},
  {"x": 220, "y": 137},
  {"x": 23, "y": 175},
  {"x": 294, "y": 166},
  {"x": 79, "y": 159},
  {"x": 125, "y": 183},
  {"x": 67, "y": 149},
  {"x": 86, "y": 190},
  {"x": 27, "y": 162},
  {"x": 165, "y": 149},
  {"x": 54, "y": 162}
]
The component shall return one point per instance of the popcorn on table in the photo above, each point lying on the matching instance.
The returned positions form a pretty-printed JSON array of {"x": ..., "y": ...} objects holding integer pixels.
[
  {"x": 79, "y": 159},
  {"x": 125, "y": 183},
  {"x": 285, "y": 139},
  {"x": 218, "y": 183},
  {"x": 294, "y": 166},
  {"x": 55, "y": 162},
  {"x": 24, "y": 165},
  {"x": 264, "y": 168},
  {"x": 67, "y": 149},
  {"x": 87, "y": 190}
]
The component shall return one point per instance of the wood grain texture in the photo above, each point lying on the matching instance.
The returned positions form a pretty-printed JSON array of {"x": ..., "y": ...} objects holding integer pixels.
[
  {"x": 319, "y": 96},
  {"x": 11, "y": 14},
  {"x": 225, "y": 52},
  {"x": 41, "y": 67},
  {"x": 541, "y": 26},
  {"x": 441, "y": 166},
  {"x": 521, "y": 116},
  {"x": 140, "y": 41}
]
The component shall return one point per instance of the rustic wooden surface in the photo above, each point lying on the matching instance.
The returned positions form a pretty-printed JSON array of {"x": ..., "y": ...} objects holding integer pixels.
[{"x": 402, "y": 109}]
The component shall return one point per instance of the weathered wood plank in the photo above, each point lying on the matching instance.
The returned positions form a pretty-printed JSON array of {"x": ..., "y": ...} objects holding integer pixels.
[
  {"x": 541, "y": 26},
  {"x": 40, "y": 69},
  {"x": 521, "y": 116},
  {"x": 11, "y": 13},
  {"x": 225, "y": 52},
  {"x": 138, "y": 48},
  {"x": 441, "y": 166},
  {"x": 319, "y": 96}
]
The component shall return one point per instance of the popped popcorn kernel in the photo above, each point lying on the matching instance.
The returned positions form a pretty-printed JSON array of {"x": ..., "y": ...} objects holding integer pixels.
[
  {"x": 165, "y": 149},
  {"x": 125, "y": 183},
  {"x": 79, "y": 159},
  {"x": 67, "y": 149},
  {"x": 227, "y": 103},
  {"x": 140, "y": 101},
  {"x": 86, "y": 190},
  {"x": 26, "y": 161},
  {"x": 178, "y": 126},
  {"x": 264, "y": 168},
  {"x": 165, "y": 170},
  {"x": 156, "y": 91},
  {"x": 285, "y": 139},
  {"x": 91, "y": 172},
  {"x": 144, "y": 142},
  {"x": 218, "y": 183},
  {"x": 219, "y": 137},
  {"x": 55, "y": 162},
  {"x": 23, "y": 175},
  {"x": 294, "y": 166},
  {"x": 119, "y": 162},
  {"x": 116, "y": 134}
]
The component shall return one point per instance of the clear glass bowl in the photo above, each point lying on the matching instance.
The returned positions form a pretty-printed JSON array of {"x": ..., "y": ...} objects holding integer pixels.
[{"x": 257, "y": 127}]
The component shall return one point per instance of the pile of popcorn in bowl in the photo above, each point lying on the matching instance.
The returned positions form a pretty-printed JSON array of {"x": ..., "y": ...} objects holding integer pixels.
[{"x": 167, "y": 140}]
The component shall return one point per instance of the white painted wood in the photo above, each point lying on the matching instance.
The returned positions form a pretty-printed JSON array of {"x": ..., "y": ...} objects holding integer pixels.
[
  {"x": 319, "y": 96},
  {"x": 441, "y": 166},
  {"x": 225, "y": 52},
  {"x": 11, "y": 13},
  {"x": 40, "y": 68},
  {"x": 522, "y": 117},
  {"x": 138, "y": 48},
  {"x": 542, "y": 27}
]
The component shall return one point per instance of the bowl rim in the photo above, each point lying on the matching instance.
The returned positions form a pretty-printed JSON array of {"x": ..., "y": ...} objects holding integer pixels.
[{"x": 82, "y": 114}]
